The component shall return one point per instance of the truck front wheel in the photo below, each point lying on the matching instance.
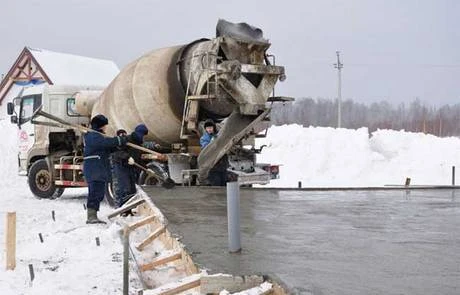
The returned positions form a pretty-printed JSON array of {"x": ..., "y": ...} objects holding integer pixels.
[{"x": 41, "y": 182}]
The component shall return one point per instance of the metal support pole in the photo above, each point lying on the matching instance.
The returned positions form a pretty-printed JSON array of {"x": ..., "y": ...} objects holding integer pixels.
[
  {"x": 233, "y": 215},
  {"x": 31, "y": 272},
  {"x": 126, "y": 261},
  {"x": 453, "y": 175}
]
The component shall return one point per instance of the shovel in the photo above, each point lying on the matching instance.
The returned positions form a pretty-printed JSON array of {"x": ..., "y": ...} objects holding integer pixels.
[
  {"x": 167, "y": 183},
  {"x": 39, "y": 112}
]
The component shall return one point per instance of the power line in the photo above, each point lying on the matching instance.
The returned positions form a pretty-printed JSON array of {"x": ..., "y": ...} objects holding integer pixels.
[
  {"x": 452, "y": 66},
  {"x": 447, "y": 66}
]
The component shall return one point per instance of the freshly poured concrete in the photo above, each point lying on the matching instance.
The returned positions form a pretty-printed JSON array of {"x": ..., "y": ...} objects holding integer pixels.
[{"x": 326, "y": 242}]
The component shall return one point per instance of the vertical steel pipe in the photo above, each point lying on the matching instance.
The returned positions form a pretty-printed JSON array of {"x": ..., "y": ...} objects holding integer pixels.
[{"x": 233, "y": 215}]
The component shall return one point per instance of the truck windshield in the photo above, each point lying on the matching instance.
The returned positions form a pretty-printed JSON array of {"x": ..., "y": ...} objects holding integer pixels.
[{"x": 29, "y": 104}]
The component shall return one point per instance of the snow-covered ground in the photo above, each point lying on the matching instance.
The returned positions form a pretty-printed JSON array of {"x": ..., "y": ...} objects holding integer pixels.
[{"x": 70, "y": 262}]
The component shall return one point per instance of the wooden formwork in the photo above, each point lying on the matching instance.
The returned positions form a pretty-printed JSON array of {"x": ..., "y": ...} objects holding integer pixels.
[{"x": 193, "y": 281}]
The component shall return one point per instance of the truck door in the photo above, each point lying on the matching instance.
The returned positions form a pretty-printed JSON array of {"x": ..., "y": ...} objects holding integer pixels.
[{"x": 26, "y": 132}]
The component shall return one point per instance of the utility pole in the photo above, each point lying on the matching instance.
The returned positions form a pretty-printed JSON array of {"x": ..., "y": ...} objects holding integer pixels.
[{"x": 339, "y": 67}]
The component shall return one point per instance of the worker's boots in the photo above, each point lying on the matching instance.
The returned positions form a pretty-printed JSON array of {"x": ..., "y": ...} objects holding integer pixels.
[{"x": 92, "y": 217}]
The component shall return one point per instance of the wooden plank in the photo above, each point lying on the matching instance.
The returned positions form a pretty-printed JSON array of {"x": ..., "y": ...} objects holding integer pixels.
[
  {"x": 141, "y": 222},
  {"x": 150, "y": 238},
  {"x": 278, "y": 290},
  {"x": 173, "y": 288},
  {"x": 126, "y": 207},
  {"x": 149, "y": 157},
  {"x": 133, "y": 199},
  {"x": 160, "y": 261},
  {"x": 11, "y": 240},
  {"x": 213, "y": 284}
]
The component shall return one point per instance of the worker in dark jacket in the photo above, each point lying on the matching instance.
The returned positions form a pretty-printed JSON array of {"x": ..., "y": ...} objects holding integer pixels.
[
  {"x": 96, "y": 167},
  {"x": 121, "y": 171},
  {"x": 123, "y": 160},
  {"x": 218, "y": 174}
]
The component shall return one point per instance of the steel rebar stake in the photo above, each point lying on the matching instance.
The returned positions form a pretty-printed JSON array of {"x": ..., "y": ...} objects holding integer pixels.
[
  {"x": 233, "y": 214},
  {"x": 125, "y": 261}
]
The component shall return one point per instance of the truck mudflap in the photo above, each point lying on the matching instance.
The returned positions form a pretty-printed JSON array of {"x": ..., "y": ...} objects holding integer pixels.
[{"x": 235, "y": 128}]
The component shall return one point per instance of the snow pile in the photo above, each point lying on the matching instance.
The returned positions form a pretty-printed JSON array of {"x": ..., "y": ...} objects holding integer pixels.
[
  {"x": 332, "y": 157},
  {"x": 9, "y": 155}
]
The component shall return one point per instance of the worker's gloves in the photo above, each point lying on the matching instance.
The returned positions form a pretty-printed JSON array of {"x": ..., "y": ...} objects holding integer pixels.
[{"x": 131, "y": 161}]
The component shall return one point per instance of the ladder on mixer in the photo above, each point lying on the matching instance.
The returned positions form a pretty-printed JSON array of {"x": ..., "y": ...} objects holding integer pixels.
[{"x": 191, "y": 107}]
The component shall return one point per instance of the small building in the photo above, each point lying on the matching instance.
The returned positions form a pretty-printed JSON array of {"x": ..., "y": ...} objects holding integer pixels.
[{"x": 37, "y": 66}]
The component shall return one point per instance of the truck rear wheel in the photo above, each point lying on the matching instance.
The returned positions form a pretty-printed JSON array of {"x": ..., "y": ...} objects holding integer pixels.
[
  {"x": 110, "y": 194},
  {"x": 41, "y": 181},
  {"x": 147, "y": 179}
]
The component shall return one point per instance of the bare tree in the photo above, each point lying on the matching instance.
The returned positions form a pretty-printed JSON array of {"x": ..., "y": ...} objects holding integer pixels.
[{"x": 414, "y": 117}]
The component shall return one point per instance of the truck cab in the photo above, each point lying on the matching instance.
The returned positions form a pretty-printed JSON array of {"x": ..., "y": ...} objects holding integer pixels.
[{"x": 42, "y": 145}]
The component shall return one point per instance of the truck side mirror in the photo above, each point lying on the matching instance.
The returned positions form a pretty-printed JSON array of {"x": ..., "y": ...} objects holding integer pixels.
[
  {"x": 10, "y": 108},
  {"x": 14, "y": 119}
]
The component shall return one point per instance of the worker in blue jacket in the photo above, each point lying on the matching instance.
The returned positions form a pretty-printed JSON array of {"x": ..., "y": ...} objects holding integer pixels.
[
  {"x": 218, "y": 174},
  {"x": 210, "y": 133},
  {"x": 96, "y": 166}
]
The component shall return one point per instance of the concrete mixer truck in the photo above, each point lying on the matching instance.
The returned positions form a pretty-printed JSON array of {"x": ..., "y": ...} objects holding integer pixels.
[{"x": 173, "y": 90}]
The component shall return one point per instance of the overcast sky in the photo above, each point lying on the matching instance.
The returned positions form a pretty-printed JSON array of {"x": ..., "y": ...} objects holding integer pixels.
[{"x": 391, "y": 50}]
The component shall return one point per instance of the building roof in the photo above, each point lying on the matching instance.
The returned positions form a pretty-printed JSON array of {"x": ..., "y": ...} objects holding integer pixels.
[{"x": 35, "y": 66}]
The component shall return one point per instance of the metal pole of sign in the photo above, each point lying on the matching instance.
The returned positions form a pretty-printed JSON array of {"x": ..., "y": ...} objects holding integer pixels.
[{"x": 233, "y": 215}]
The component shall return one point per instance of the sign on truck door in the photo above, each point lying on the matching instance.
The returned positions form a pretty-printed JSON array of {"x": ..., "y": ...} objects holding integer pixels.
[{"x": 26, "y": 134}]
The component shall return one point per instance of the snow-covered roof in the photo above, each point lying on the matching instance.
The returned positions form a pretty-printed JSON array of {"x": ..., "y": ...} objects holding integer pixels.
[
  {"x": 35, "y": 66},
  {"x": 69, "y": 69}
]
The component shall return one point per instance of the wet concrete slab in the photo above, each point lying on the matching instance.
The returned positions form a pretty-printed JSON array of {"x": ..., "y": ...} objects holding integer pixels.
[{"x": 326, "y": 242}]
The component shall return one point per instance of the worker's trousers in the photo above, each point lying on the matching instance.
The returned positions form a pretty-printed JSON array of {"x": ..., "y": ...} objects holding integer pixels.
[
  {"x": 126, "y": 182},
  {"x": 96, "y": 192}
]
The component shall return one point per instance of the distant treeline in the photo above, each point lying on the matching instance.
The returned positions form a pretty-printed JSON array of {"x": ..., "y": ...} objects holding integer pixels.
[{"x": 413, "y": 116}]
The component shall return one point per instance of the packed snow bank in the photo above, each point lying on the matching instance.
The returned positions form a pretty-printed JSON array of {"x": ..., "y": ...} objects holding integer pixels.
[
  {"x": 329, "y": 157},
  {"x": 9, "y": 155}
]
